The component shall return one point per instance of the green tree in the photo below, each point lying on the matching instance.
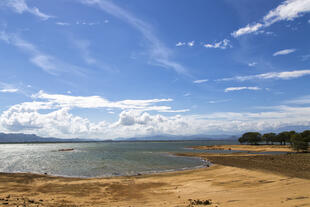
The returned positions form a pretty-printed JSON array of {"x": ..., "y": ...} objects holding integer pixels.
[
  {"x": 269, "y": 137},
  {"x": 242, "y": 140},
  {"x": 284, "y": 137},
  {"x": 306, "y": 135},
  {"x": 299, "y": 143},
  {"x": 251, "y": 137}
]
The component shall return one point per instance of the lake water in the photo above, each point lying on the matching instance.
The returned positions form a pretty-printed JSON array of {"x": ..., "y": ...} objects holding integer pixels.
[{"x": 100, "y": 159}]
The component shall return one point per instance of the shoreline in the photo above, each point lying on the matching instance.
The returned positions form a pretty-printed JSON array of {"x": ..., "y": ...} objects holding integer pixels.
[
  {"x": 247, "y": 148},
  {"x": 205, "y": 164},
  {"x": 222, "y": 184}
]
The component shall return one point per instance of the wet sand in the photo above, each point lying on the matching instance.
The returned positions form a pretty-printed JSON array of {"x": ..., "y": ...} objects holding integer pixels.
[{"x": 226, "y": 184}]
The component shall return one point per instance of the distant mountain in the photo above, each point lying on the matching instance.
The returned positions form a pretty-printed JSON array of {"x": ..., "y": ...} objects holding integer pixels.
[
  {"x": 29, "y": 138},
  {"x": 175, "y": 137}
]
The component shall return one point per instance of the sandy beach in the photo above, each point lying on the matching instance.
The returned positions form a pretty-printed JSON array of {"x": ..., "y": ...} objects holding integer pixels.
[
  {"x": 234, "y": 180},
  {"x": 255, "y": 148}
]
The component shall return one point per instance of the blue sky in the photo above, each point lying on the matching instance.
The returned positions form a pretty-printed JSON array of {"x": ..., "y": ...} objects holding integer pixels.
[{"x": 106, "y": 69}]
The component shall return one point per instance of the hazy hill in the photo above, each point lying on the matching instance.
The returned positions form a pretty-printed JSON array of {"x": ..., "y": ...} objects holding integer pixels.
[{"x": 27, "y": 138}]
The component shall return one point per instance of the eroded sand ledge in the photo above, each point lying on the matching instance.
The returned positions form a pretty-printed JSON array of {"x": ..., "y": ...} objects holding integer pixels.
[{"x": 225, "y": 185}]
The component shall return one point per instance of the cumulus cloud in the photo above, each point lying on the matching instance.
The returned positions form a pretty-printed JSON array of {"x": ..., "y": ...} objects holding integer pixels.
[
  {"x": 286, "y": 75},
  {"x": 242, "y": 88},
  {"x": 286, "y": 11},
  {"x": 20, "y": 6},
  {"x": 224, "y": 44},
  {"x": 284, "y": 52},
  {"x": 59, "y": 122}
]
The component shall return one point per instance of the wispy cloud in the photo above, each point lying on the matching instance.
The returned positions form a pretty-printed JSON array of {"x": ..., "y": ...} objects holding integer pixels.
[
  {"x": 191, "y": 44},
  {"x": 83, "y": 46},
  {"x": 201, "y": 81},
  {"x": 158, "y": 52},
  {"x": 20, "y": 7},
  {"x": 247, "y": 29},
  {"x": 9, "y": 90},
  {"x": 219, "y": 101},
  {"x": 180, "y": 44},
  {"x": 284, "y": 52},
  {"x": 90, "y": 23},
  {"x": 242, "y": 88},
  {"x": 286, "y": 75},
  {"x": 224, "y": 44},
  {"x": 252, "y": 64},
  {"x": 305, "y": 57},
  {"x": 69, "y": 101},
  {"x": 286, "y": 11},
  {"x": 300, "y": 100},
  {"x": 63, "y": 23},
  {"x": 48, "y": 63}
]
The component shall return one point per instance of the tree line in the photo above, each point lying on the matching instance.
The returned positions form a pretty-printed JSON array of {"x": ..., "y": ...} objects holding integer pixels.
[{"x": 298, "y": 141}]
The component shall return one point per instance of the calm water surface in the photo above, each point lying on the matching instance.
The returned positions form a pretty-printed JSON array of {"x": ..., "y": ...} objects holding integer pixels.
[{"x": 99, "y": 159}]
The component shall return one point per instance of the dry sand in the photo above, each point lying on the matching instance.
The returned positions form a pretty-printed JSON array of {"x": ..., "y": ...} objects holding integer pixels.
[
  {"x": 255, "y": 148},
  {"x": 227, "y": 185}
]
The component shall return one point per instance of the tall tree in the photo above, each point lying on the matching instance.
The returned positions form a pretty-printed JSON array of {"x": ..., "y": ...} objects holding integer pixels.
[
  {"x": 251, "y": 137},
  {"x": 269, "y": 137},
  {"x": 299, "y": 143}
]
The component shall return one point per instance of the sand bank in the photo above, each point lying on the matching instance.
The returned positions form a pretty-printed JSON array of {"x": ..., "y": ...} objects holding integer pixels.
[
  {"x": 225, "y": 185},
  {"x": 255, "y": 148}
]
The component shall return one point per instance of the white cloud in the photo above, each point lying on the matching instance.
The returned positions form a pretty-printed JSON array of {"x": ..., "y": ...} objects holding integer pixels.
[
  {"x": 69, "y": 101},
  {"x": 20, "y": 6},
  {"x": 247, "y": 29},
  {"x": 83, "y": 46},
  {"x": 301, "y": 100},
  {"x": 191, "y": 44},
  {"x": 63, "y": 23},
  {"x": 27, "y": 118},
  {"x": 284, "y": 52},
  {"x": 201, "y": 81},
  {"x": 219, "y": 101},
  {"x": 286, "y": 75},
  {"x": 224, "y": 44},
  {"x": 286, "y": 11},
  {"x": 88, "y": 23},
  {"x": 252, "y": 64},
  {"x": 9, "y": 90},
  {"x": 241, "y": 88},
  {"x": 42, "y": 60},
  {"x": 180, "y": 44},
  {"x": 158, "y": 52}
]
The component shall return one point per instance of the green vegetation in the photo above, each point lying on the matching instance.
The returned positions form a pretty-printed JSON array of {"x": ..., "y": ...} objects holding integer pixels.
[{"x": 298, "y": 141}]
